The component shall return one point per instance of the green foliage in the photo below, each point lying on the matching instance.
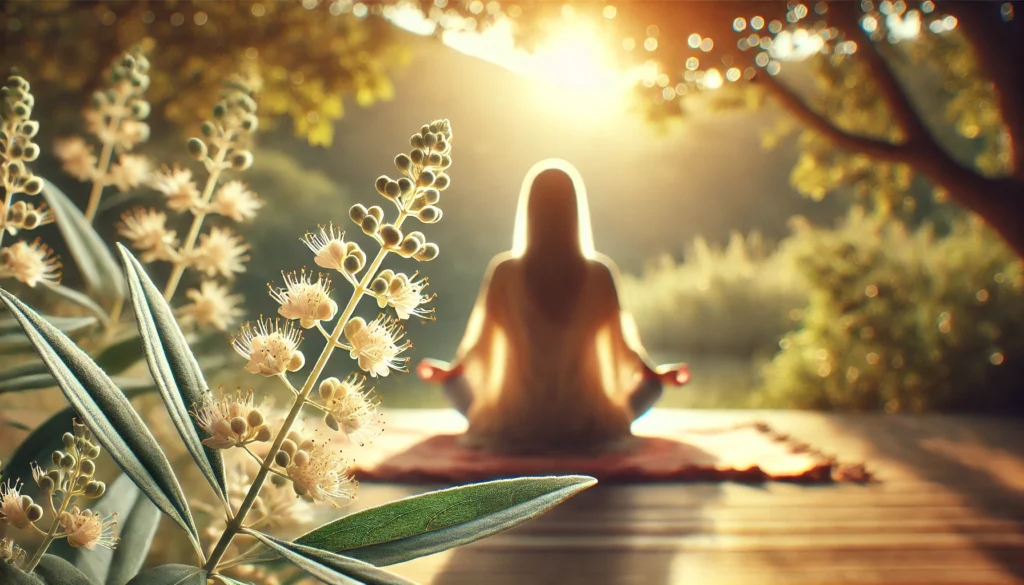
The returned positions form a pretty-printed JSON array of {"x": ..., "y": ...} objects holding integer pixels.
[
  {"x": 330, "y": 568},
  {"x": 433, "y": 522},
  {"x": 737, "y": 300},
  {"x": 902, "y": 320}
]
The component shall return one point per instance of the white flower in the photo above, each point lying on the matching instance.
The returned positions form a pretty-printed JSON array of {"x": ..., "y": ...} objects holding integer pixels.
[
  {"x": 147, "y": 231},
  {"x": 304, "y": 299},
  {"x": 374, "y": 345},
  {"x": 271, "y": 350},
  {"x": 178, "y": 187},
  {"x": 350, "y": 409},
  {"x": 232, "y": 421},
  {"x": 236, "y": 201},
  {"x": 14, "y": 506},
  {"x": 130, "y": 171},
  {"x": 130, "y": 133},
  {"x": 331, "y": 250},
  {"x": 76, "y": 157},
  {"x": 213, "y": 305},
  {"x": 86, "y": 528},
  {"x": 30, "y": 263},
  {"x": 405, "y": 295},
  {"x": 320, "y": 474},
  {"x": 220, "y": 252}
]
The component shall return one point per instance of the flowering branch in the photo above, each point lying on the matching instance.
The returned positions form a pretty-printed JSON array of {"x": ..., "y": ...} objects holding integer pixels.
[{"x": 272, "y": 350}]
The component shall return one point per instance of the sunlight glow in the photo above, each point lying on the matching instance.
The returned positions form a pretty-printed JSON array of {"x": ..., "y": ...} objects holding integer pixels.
[{"x": 575, "y": 69}]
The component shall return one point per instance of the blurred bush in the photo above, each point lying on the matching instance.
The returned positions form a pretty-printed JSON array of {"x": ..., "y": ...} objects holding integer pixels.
[
  {"x": 903, "y": 321},
  {"x": 737, "y": 300}
]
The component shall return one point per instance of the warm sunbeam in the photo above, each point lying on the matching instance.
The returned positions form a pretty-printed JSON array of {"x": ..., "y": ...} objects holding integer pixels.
[{"x": 576, "y": 72}]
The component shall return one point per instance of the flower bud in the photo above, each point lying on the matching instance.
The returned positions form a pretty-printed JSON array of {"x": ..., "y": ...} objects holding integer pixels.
[
  {"x": 352, "y": 264},
  {"x": 416, "y": 141},
  {"x": 431, "y": 196},
  {"x": 429, "y": 214},
  {"x": 434, "y": 159},
  {"x": 254, "y": 418},
  {"x": 357, "y": 213},
  {"x": 301, "y": 457},
  {"x": 69, "y": 441},
  {"x": 379, "y": 286},
  {"x": 328, "y": 386},
  {"x": 35, "y": 512},
  {"x": 403, "y": 163},
  {"x": 219, "y": 110},
  {"x": 208, "y": 129},
  {"x": 251, "y": 123},
  {"x": 427, "y": 253},
  {"x": 370, "y": 225},
  {"x": 239, "y": 426},
  {"x": 376, "y": 212},
  {"x": 88, "y": 468},
  {"x": 409, "y": 247},
  {"x": 417, "y": 156},
  {"x": 263, "y": 434},
  {"x": 29, "y": 129},
  {"x": 392, "y": 190},
  {"x": 93, "y": 452},
  {"x": 46, "y": 484},
  {"x": 197, "y": 148},
  {"x": 426, "y": 179},
  {"x": 140, "y": 109},
  {"x": 390, "y": 236},
  {"x": 288, "y": 446},
  {"x": 95, "y": 489},
  {"x": 31, "y": 152},
  {"x": 300, "y": 490},
  {"x": 354, "y": 326},
  {"x": 382, "y": 183},
  {"x": 405, "y": 185},
  {"x": 57, "y": 457},
  {"x": 442, "y": 181},
  {"x": 283, "y": 458},
  {"x": 33, "y": 186},
  {"x": 241, "y": 161},
  {"x": 441, "y": 147},
  {"x": 68, "y": 461},
  {"x": 54, "y": 475}
]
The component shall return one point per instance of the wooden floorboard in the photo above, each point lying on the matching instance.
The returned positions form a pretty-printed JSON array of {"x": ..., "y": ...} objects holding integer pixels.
[{"x": 948, "y": 510}]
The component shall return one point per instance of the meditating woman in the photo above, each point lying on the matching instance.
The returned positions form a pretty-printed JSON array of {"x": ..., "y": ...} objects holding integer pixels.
[{"x": 550, "y": 362}]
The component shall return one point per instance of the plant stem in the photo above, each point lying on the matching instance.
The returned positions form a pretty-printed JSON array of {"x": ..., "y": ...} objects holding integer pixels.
[
  {"x": 234, "y": 526},
  {"x": 197, "y": 221},
  {"x": 103, "y": 165},
  {"x": 50, "y": 534}
]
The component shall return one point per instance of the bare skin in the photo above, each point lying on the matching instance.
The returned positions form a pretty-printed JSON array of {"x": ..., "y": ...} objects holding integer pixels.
[{"x": 550, "y": 362}]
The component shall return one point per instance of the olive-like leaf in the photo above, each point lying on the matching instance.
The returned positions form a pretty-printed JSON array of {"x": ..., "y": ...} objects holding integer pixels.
[
  {"x": 122, "y": 354},
  {"x": 108, "y": 414},
  {"x": 170, "y": 575},
  {"x": 27, "y": 383},
  {"x": 81, "y": 299},
  {"x": 137, "y": 520},
  {"x": 329, "y": 567},
  {"x": 99, "y": 269},
  {"x": 430, "y": 523},
  {"x": 11, "y": 575},
  {"x": 12, "y": 339},
  {"x": 56, "y": 571},
  {"x": 174, "y": 368}
]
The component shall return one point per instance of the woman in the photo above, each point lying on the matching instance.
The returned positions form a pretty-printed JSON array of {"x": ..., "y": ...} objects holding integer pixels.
[{"x": 550, "y": 362}]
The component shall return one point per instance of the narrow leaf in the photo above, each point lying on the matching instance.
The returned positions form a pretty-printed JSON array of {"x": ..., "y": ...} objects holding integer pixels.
[
  {"x": 170, "y": 575},
  {"x": 99, "y": 270},
  {"x": 329, "y": 567},
  {"x": 6, "y": 422},
  {"x": 430, "y": 523},
  {"x": 11, "y": 575},
  {"x": 122, "y": 354},
  {"x": 27, "y": 383},
  {"x": 137, "y": 520},
  {"x": 12, "y": 339},
  {"x": 108, "y": 414},
  {"x": 57, "y": 571},
  {"x": 44, "y": 440},
  {"x": 174, "y": 368}
]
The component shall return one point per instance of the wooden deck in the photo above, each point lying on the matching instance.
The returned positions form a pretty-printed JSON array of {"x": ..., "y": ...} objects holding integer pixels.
[{"x": 949, "y": 508}]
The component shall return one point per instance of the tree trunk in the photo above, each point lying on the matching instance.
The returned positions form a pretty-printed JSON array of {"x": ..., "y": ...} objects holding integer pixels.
[{"x": 999, "y": 202}]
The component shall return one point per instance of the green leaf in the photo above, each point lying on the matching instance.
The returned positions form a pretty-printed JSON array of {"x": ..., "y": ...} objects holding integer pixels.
[
  {"x": 12, "y": 339},
  {"x": 108, "y": 414},
  {"x": 6, "y": 422},
  {"x": 26, "y": 383},
  {"x": 137, "y": 519},
  {"x": 11, "y": 575},
  {"x": 99, "y": 270},
  {"x": 170, "y": 575},
  {"x": 57, "y": 571},
  {"x": 43, "y": 441},
  {"x": 329, "y": 567},
  {"x": 174, "y": 368},
  {"x": 430, "y": 523}
]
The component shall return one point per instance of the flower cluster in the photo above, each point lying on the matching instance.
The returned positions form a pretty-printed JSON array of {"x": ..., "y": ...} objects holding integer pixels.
[
  {"x": 29, "y": 262},
  {"x": 217, "y": 255},
  {"x": 70, "y": 478},
  {"x": 316, "y": 471},
  {"x": 116, "y": 119}
]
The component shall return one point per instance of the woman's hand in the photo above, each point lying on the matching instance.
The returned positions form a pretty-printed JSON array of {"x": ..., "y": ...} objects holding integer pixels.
[
  {"x": 436, "y": 371},
  {"x": 673, "y": 374}
]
